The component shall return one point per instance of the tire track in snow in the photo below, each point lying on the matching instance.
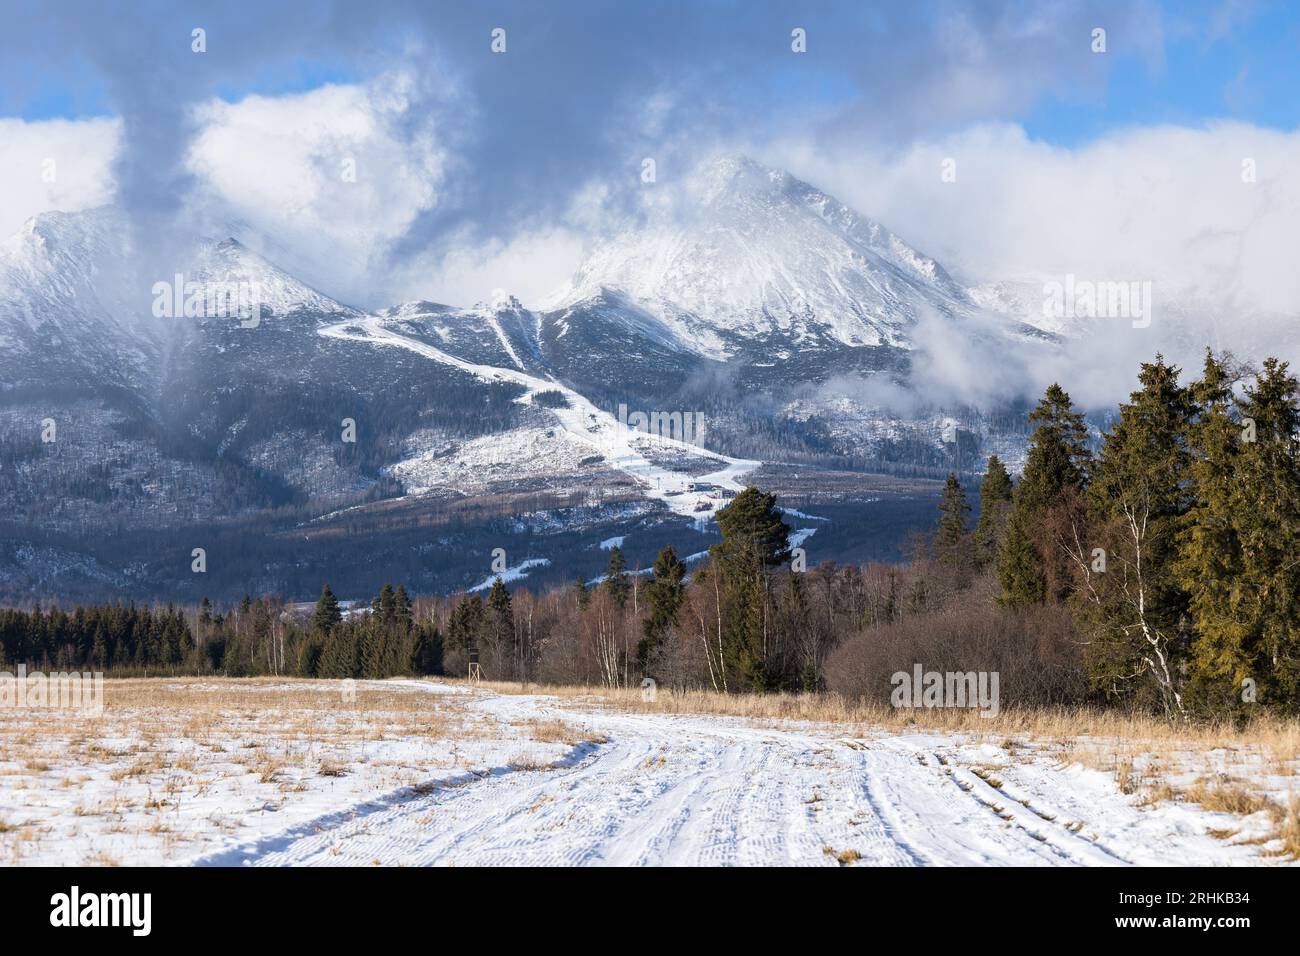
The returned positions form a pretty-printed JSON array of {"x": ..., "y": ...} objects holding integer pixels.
[{"x": 691, "y": 790}]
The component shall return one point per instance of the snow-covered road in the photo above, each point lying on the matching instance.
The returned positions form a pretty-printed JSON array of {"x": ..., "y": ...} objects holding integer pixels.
[{"x": 701, "y": 790}]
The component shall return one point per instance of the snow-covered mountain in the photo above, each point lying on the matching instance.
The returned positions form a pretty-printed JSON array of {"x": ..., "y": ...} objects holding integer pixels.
[
  {"x": 760, "y": 253},
  {"x": 737, "y": 308}
]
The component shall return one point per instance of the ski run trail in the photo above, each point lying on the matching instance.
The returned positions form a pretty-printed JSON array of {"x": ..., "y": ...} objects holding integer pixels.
[
  {"x": 664, "y": 789},
  {"x": 582, "y": 421}
]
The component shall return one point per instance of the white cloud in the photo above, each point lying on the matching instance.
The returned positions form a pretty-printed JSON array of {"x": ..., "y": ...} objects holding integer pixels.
[
  {"x": 330, "y": 178},
  {"x": 1163, "y": 204},
  {"x": 529, "y": 266},
  {"x": 1160, "y": 203},
  {"x": 54, "y": 164}
]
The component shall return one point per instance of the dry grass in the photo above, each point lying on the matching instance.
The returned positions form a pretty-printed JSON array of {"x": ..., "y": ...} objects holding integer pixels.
[
  {"x": 842, "y": 857},
  {"x": 1227, "y": 797},
  {"x": 160, "y": 745},
  {"x": 558, "y": 732},
  {"x": 1278, "y": 738}
]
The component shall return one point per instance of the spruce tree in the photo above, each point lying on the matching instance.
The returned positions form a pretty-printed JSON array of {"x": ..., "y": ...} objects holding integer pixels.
[
  {"x": 1210, "y": 557},
  {"x": 664, "y": 595},
  {"x": 752, "y": 530},
  {"x": 402, "y": 614},
  {"x": 616, "y": 583},
  {"x": 327, "y": 612},
  {"x": 1032, "y": 566},
  {"x": 1134, "y": 611},
  {"x": 995, "y": 510},
  {"x": 952, "y": 543},
  {"x": 755, "y": 540},
  {"x": 501, "y": 618},
  {"x": 1248, "y": 627}
]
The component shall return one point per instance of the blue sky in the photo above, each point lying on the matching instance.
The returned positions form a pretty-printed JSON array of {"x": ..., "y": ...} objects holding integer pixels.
[{"x": 1196, "y": 61}]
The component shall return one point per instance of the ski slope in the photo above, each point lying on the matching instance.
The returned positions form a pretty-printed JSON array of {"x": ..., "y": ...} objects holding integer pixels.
[
  {"x": 582, "y": 420},
  {"x": 665, "y": 789}
]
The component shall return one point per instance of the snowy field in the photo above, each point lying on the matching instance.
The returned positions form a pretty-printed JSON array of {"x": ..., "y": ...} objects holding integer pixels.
[{"x": 266, "y": 772}]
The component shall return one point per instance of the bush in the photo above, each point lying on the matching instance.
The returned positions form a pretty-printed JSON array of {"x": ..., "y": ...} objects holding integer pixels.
[{"x": 1034, "y": 651}]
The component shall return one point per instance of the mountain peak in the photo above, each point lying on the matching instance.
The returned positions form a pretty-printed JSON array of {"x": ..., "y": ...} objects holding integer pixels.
[{"x": 754, "y": 251}]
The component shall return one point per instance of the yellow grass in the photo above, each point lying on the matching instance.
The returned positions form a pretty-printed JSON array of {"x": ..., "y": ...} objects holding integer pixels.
[{"x": 1280, "y": 739}]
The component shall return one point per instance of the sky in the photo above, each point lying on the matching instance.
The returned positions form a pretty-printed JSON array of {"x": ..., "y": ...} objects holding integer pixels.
[{"x": 385, "y": 151}]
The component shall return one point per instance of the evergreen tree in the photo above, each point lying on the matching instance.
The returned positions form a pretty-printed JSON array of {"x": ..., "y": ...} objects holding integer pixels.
[
  {"x": 1210, "y": 557},
  {"x": 384, "y": 606},
  {"x": 426, "y": 652},
  {"x": 1032, "y": 566},
  {"x": 1270, "y": 475},
  {"x": 616, "y": 582},
  {"x": 402, "y": 612},
  {"x": 327, "y": 612},
  {"x": 1246, "y": 601},
  {"x": 1134, "y": 610},
  {"x": 309, "y": 654},
  {"x": 664, "y": 595},
  {"x": 755, "y": 540},
  {"x": 752, "y": 529},
  {"x": 952, "y": 543},
  {"x": 501, "y": 621},
  {"x": 995, "y": 510},
  {"x": 465, "y": 626},
  {"x": 584, "y": 595}
]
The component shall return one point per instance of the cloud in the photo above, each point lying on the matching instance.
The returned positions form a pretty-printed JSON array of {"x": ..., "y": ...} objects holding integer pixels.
[
  {"x": 529, "y": 266},
  {"x": 54, "y": 164},
  {"x": 1164, "y": 204},
  {"x": 326, "y": 180}
]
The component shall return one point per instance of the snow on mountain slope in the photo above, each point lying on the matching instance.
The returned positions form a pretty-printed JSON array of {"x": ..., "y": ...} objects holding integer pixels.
[
  {"x": 503, "y": 333},
  {"x": 231, "y": 261},
  {"x": 69, "y": 306},
  {"x": 760, "y": 252},
  {"x": 78, "y": 306},
  {"x": 583, "y": 422}
]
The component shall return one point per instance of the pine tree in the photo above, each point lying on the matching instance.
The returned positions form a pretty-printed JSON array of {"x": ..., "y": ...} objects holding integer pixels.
[
  {"x": 501, "y": 619},
  {"x": 1134, "y": 610},
  {"x": 1056, "y": 472},
  {"x": 616, "y": 582},
  {"x": 1248, "y": 611},
  {"x": 583, "y": 594},
  {"x": 995, "y": 511},
  {"x": 1210, "y": 556},
  {"x": 752, "y": 529},
  {"x": 952, "y": 543},
  {"x": 402, "y": 615},
  {"x": 755, "y": 540},
  {"x": 327, "y": 612},
  {"x": 664, "y": 595}
]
